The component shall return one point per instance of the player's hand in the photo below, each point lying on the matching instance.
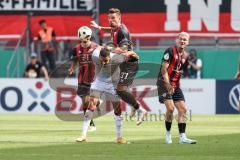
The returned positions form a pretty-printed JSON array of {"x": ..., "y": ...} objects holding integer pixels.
[
  {"x": 132, "y": 54},
  {"x": 46, "y": 78},
  {"x": 70, "y": 71},
  {"x": 118, "y": 51},
  {"x": 94, "y": 25},
  {"x": 168, "y": 87}
]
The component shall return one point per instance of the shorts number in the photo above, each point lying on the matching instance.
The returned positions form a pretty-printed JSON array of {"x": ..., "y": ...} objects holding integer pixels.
[{"x": 124, "y": 75}]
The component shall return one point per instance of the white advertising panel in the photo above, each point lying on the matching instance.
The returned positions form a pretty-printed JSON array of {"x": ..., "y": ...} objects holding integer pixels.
[{"x": 38, "y": 96}]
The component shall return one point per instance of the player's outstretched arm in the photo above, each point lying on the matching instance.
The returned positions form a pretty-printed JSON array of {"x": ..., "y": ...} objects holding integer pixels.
[
  {"x": 72, "y": 67},
  {"x": 131, "y": 54},
  {"x": 96, "y": 26}
]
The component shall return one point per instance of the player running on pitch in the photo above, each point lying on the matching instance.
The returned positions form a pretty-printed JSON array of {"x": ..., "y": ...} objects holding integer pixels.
[{"x": 82, "y": 56}]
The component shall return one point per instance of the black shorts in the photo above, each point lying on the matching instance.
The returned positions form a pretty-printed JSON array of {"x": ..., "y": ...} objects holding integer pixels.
[
  {"x": 128, "y": 70},
  {"x": 83, "y": 89},
  {"x": 163, "y": 94}
]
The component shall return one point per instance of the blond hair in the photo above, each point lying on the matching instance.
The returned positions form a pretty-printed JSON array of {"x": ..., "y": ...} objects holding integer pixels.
[{"x": 183, "y": 34}]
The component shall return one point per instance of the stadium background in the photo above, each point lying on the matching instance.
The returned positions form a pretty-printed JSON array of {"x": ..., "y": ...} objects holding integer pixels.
[
  {"x": 214, "y": 26},
  {"x": 153, "y": 26}
]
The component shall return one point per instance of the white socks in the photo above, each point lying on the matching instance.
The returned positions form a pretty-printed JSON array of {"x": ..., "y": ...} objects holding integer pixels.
[
  {"x": 140, "y": 109},
  {"x": 118, "y": 124},
  {"x": 168, "y": 132},
  {"x": 87, "y": 119},
  {"x": 183, "y": 135}
]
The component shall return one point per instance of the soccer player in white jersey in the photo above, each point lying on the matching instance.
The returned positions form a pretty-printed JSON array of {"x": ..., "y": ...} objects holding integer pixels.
[{"x": 106, "y": 78}]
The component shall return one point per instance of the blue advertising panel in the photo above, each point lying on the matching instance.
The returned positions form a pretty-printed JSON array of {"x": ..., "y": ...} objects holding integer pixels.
[{"x": 227, "y": 96}]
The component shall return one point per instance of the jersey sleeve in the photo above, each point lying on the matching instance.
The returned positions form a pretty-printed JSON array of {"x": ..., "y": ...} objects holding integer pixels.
[
  {"x": 118, "y": 58},
  {"x": 123, "y": 38},
  {"x": 167, "y": 56},
  {"x": 95, "y": 55}
]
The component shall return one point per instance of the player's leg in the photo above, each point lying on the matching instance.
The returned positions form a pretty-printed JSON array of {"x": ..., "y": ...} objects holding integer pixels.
[
  {"x": 111, "y": 96},
  {"x": 166, "y": 99},
  {"x": 86, "y": 91},
  {"x": 168, "y": 119},
  {"x": 127, "y": 74},
  {"x": 181, "y": 107},
  {"x": 92, "y": 126},
  {"x": 88, "y": 116},
  {"x": 179, "y": 102},
  {"x": 118, "y": 122},
  {"x": 88, "y": 108}
]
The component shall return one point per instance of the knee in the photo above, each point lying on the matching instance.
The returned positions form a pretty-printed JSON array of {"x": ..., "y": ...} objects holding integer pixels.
[
  {"x": 88, "y": 103},
  {"x": 170, "y": 110},
  {"x": 119, "y": 92},
  {"x": 169, "y": 117},
  {"x": 121, "y": 88},
  {"x": 183, "y": 111},
  {"x": 118, "y": 110}
]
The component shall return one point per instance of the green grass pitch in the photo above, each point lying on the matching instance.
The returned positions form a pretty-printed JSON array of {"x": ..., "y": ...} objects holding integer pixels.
[{"x": 41, "y": 137}]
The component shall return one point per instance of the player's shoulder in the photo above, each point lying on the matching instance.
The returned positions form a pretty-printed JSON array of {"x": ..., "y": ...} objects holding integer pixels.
[
  {"x": 168, "y": 54},
  {"x": 94, "y": 45},
  {"x": 169, "y": 51},
  {"x": 124, "y": 29},
  {"x": 96, "y": 51}
]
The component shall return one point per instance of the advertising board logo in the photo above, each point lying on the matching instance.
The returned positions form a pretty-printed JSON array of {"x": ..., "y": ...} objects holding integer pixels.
[
  {"x": 36, "y": 96},
  {"x": 234, "y": 96}
]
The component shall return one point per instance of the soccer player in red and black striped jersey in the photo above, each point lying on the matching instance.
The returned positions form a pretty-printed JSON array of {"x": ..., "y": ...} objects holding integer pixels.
[
  {"x": 121, "y": 37},
  {"x": 82, "y": 55},
  {"x": 169, "y": 90}
]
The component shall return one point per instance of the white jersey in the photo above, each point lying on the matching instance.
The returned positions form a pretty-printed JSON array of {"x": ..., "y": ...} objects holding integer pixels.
[
  {"x": 110, "y": 72},
  {"x": 107, "y": 76}
]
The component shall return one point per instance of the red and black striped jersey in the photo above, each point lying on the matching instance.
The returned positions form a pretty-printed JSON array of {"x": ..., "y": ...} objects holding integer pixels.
[
  {"x": 86, "y": 66},
  {"x": 121, "y": 36},
  {"x": 176, "y": 63}
]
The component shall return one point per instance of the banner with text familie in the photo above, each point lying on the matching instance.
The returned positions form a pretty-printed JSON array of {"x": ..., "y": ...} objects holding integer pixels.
[
  {"x": 158, "y": 18},
  {"x": 36, "y": 96},
  {"x": 46, "y": 5}
]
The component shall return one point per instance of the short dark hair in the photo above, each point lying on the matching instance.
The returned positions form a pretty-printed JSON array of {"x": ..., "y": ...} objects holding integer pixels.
[
  {"x": 114, "y": 10},
  {"x": 105, "y": 52},
  {"x": 42, "y": 21}
]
